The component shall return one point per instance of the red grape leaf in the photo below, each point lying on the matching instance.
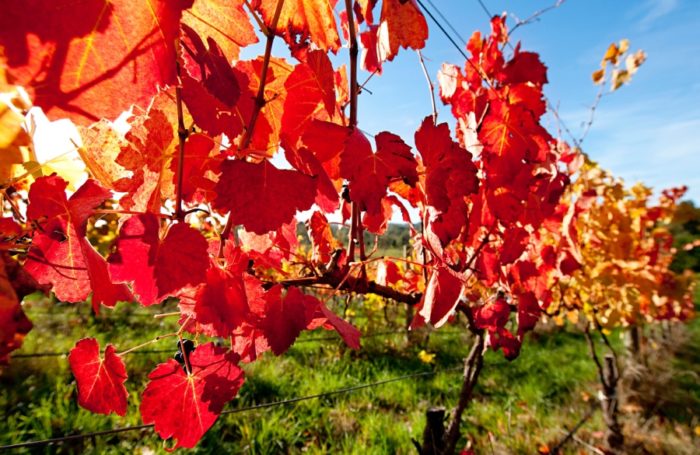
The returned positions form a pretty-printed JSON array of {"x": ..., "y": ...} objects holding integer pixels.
[
  {"x": 47, "y": 199},
  {"x": 268, "y": 250},
  {"x": 377, "y": 223},
  {"x": 304, "y": 19},
  {"x": 184, "y": 407},
  {"x": 441, "y": 296},
  {"x": 100, "y": 379},
  {"x": 529, "y": 312},
  {"x": 79, "y": 57},
  {"x": 249, "y": 342},
  {"x": 326, "y": 141},
  {"x": 310, "y": 88},
  {"x": 347, "y": 331},
  {"x": 61, "y": 257},
  {"x": 370, "y": 173},
  {"x": 201, "y": 161},
  {"x": 101, "y": 146},
  {"x": 261, "y": 197},
  {"x": 388, "y": 273},
  {"x": 401, "y": 25},
  {"x": 524, "y": 67},
  {"x": 147, "y": 151},
  {"x": 158, "y": 268},
  {"x": 210, "y": 87},
  {"x": 492, "y": 316},
  {"x": 60, "y": 253},
  {"x": 322, "y": 239},
  {"x": 225, "y": 21},
  {"x": 505, "y": 340},
  {"x": 515, "y": 241},
  {"x": 286, "y": 316},
  {"x": 227, "y": 299},
  {"x": 370, "y": 59}
]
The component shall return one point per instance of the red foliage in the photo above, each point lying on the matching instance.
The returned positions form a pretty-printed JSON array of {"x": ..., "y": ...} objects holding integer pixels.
[
  {"x": 207, "y": 143},
  {"x": 100, "y": 379},
  {"x": 184, "y": 404}
]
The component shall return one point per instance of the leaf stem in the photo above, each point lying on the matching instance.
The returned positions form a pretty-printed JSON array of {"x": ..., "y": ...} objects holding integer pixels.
[
  {"x": 260, "y": 96},
  {"x": 165, "y": 315},
  {"x": 431, "y": 87},
  {"x": 154, "y": 340},
  {"x": 353, "y": 63},
  {"x": 182, "y": 134},
  {"x": 263, "y": 28},
  {"x": 128, "y": 212}
]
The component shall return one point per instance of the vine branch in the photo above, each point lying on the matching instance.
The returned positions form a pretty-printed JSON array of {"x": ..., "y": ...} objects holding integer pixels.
[
  {"x": 257, "y": 107},
  {"x": 472, "y": 367},
  {"x": 182, "y": 134}
]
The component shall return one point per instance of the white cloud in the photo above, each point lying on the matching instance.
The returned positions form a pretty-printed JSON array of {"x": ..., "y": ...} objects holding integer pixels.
[
  {"x": 653, "y": 10},
  {"x": 646, "y": 140}
]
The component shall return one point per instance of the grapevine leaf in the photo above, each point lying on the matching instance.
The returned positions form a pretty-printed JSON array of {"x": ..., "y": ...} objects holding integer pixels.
[
  {"x": 321, "y": 237},
  {"x": 80, "y": 56},
  {"x": 302, "y": 20},
  {"x": 347, "y": 331},
  {"x": 61, "y": 255},
  {"x": 286, "y": 316},
  {"x": 492, "y": 316},
  {"x": 201, "y": 161},
  {"x": 227, "y": 299},
  {"x": 310, "y": 88},
  {"x": 147, "y": 151},
  {"x": 441, "y": 296},
  {"x": 158, "y": 268},
  {"x": 100, "y": 378},
  {"x": 261, "y": 197},
  {"x": 224, "y": 21},
  {"x": 210, "y": 87},
  {"x": 450, "y": 177},
  {"x": 184, "y": 406},
  {"x": 369, "y": 173}
]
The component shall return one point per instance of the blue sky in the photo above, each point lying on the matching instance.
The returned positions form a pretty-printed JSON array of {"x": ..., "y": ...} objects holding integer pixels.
[{"x": 646, "y": 131}]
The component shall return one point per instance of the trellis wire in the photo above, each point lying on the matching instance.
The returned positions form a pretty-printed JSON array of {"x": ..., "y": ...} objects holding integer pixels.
[
  {"x": 254, "y": 407},
  {"x": 30, "y": 355}
]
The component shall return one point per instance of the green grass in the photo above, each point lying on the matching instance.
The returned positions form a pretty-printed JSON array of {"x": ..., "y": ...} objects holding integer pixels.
[{"x": 518, "y": 405}]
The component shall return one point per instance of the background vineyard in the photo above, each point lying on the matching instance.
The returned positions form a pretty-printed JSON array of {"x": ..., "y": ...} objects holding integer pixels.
[{"x": 521, "y": 405}]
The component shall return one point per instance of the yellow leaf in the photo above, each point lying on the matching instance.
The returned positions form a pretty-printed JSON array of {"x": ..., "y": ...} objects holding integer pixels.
[
  {"x": 634, "y": 61},
  {"x": 13, "y": 138},
  {"x": 101, "y": 147},
  {"x": 598, "y": 76},
  {"x": 623, "y": 46},
  {"x": 426, "y": 357},
  {"x": 611, "y": 54},
  {"x": 619, "y": 77}
]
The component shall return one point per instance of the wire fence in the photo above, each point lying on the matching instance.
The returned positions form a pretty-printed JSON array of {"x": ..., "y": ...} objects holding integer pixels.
[
  {"x": 255, "y": 407},
  {"x": 31, "y": 355}
]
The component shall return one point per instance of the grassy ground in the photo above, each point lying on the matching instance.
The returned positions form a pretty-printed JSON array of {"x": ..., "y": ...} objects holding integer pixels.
[{"x": 521, "y": 406}]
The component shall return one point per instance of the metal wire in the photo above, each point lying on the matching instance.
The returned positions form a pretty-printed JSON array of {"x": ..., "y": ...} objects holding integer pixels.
[
  {"x": 31, "y": 355},
  {"x": 235, "y": 411}
]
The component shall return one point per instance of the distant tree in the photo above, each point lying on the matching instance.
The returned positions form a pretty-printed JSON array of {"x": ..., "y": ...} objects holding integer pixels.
[{"x": 686, "y": 231}]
